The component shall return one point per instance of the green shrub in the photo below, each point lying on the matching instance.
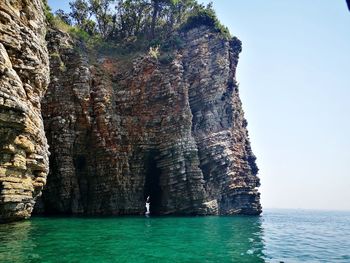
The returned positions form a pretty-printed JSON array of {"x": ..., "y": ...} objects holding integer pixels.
[
  {"x": 205, "y": 17},
  {"x": 79, "y": 34},
  {"x": 154, "y": 52},
  {"x": 166, "y": 58},
  {"x": 54, "y": 55},
  {"x": 155, "y": 42},
  {"x": 59, "y": 24},
  {"x": 47, "y": 11},
  {"x": 174, "y": 42},
  {"x": 63, "y": 67}
]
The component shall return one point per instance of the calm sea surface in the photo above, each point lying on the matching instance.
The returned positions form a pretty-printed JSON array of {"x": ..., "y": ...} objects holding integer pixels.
[{"x": 277, "y": 235}]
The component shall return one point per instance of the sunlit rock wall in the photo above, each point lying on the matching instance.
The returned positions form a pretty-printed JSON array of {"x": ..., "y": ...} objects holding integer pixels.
[{"x": 24, "y": 76}]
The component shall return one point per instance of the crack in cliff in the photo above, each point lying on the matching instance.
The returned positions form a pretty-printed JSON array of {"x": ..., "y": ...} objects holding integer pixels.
[{"x": 152, "y": 186}]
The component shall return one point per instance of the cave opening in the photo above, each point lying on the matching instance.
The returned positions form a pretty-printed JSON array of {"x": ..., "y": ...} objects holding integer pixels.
[
  {"x": 81, "y": 171},
  {"x": 152, "y": 185},
  {"x": 80, "y": 162}
]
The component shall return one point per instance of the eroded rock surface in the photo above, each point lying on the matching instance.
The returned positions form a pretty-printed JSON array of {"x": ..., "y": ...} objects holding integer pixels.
[
  {"x": 24, "y": 76},
  {"x": 119, "y": 132}
]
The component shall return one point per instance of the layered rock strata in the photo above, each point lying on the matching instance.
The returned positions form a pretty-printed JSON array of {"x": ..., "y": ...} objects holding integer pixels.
[
  {"x": 121, "y": 131},
  {"x": 24, "y": 76}
]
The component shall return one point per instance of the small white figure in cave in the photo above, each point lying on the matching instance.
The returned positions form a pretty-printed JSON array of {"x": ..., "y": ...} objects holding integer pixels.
[{"x": 148, "y": 204}]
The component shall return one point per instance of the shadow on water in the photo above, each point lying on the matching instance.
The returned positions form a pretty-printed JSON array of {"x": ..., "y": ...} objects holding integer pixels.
[
  {"x": 136, "y": 239},
  {"x": 16, "y": 243}
]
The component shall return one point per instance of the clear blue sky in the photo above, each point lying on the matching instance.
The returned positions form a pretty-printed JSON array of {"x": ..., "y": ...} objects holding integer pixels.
[{"x": 294, "y": 75}]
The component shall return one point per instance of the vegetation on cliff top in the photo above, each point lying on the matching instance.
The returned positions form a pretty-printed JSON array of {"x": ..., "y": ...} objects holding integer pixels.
[{"x": 134, "y": 25}]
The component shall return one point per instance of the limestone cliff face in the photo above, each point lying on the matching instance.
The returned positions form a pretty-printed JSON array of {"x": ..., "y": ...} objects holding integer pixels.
[
  {"x": 120, "y": 131},
  {"x": 24, "y": 76}
]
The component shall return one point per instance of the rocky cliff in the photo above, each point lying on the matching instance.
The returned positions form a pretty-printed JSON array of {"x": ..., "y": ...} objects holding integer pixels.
[
  {"x": 119, "y": 131},
  {"x": 24, "y": 76}
]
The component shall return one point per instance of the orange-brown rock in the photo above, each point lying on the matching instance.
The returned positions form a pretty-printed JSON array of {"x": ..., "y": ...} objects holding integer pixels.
[{"x": 173, "y": 130}]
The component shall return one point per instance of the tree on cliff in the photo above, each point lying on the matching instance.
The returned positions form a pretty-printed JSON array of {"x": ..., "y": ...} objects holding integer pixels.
[
  {"x": 157, "y": 6},
  {"x": 137, "y": 23},
  {"x": 63, "y": 16},
  {"x": 99, "y": 9},
  {"x": 79, "y": 12},
  {"x": 149, "y": 18}
]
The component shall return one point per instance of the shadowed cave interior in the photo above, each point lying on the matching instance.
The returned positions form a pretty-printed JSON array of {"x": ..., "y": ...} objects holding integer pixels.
[
  {"x": 81, "y": 170},
  {"x": 152, "y": 185}
]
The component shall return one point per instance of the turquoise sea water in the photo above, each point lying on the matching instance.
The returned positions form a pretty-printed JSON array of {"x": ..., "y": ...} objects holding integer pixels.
[{"x": 277, "y": 235}]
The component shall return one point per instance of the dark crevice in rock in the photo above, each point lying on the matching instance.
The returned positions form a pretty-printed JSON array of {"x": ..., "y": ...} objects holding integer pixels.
[{"x": 152, "y": 186}]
